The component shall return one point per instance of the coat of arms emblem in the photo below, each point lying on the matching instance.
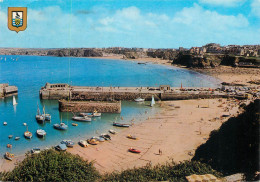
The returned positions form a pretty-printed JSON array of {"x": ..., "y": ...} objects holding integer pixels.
[{"x": 17, "y": 18}]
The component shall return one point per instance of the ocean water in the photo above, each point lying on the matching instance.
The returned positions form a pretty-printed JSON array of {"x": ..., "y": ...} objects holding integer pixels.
[{"x": 30, "y": 73}]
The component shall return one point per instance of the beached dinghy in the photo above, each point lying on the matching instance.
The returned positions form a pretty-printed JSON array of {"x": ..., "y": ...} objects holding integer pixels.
[
  {"x": 83, "y": 143},
  {"x": 105, "y": 136},
  {"x": 112, "y": 132},
  {"x": 61, "y": 147},
  {"x": 132, "y": 137},
  {"x": 41, "y": 133},
  {"x": 83, "y": 119},
  {"x": 93, "y": 141},
  {"x": 121, "y": 125},
  {"x": 35, "y": 150},
  {"x": 68, "y": 143},
  {"x": 9, "y": 156},
  {"x": 134, "y": 150}
]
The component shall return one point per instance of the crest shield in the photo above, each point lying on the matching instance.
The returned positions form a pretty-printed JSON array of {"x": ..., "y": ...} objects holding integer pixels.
[{"x": 17, "y": 18}]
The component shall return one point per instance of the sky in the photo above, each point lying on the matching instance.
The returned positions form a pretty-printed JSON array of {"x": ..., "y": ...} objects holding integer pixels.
[{"x": 133, "y": 23}]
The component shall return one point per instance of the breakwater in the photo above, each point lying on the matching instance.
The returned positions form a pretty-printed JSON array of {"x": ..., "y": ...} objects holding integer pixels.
[
  {"x": 90, "y": 106},
  {"x": 7, "y": 90},
  {"x": 163, "y": 92}
]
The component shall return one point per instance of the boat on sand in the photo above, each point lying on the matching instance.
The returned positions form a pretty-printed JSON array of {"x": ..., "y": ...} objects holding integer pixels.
[
  {"x": 93, "y": 141},
  {"x": 121, "y": 125},
  {"x": 132, "y": 137},
  {"x": 83, "y": 143},
  {"x": 112, "y": 131},
  {"x": 134, "y": 150},
  {"x": 9, "y": 156}
]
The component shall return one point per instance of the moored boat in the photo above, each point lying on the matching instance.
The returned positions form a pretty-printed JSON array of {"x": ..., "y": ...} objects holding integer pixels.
[
  {"x": 121, "y": 125},
  {"x": 45, "y": 115},
  {"x": 139, "y": 99},
  {"x": 39, "y": 117},
  {"x": 134, "y": 150},
  {"x": 93, "y": 114},
  {"x": 17, "y": 138},
  {"x": 83, "y": 143},
  {"x": 61, "y": 126},
  {"x": 74, "y": 124},
  {"x": 9, "y": 145},
  {"x": 5, "y": 123},
  {"x": 27, "y": 134},
  {"x": 41, "y": 133},
  {"x": 81, "y": 118},
  {"x": 9, "y": 156},
  {"x": 10, "y": 136}
]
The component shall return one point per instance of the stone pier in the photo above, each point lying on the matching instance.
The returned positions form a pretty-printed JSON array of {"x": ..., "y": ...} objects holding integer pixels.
[
  {"x": 6, "y": 90},
  {"x": 90, "y": 106}
]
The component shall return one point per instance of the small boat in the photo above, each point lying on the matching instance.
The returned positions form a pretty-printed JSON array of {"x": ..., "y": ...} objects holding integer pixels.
[
  {"x": 14, "y": 101},
  {"x": 152, "y": 102},
  {"x": 132, "y": 137},
  {"x": 9, "y": 145},
  {"x": 139, "y": 99},
  {"x": 93, "y": 141},
  {"x": 68, "y": 143},
  {"x": 17, "y": 138},
  {"x": 61, "y": 126},
  {"x": 134, "y": 150},
  {"x": 9, "y": 156},
  {"x": 39, "y": 117},
  {"x": 112, "y": 132},
  {"x": 25, "y": 124},
  {"x": 41, "y": 133},
  {"x": 105, "y": 136},
  {"x": 74, "y": 124},
  {"x": 100, "y": 139},
  {"x": 5, "y": 123},
  {"x": 83, "y": 143},
  {"x": 28, "y": 135},
  {"x": 45, "y": 115},
  {"x": 93, "y": 114},
  {"x": 10, "y": 136},
  {"x": 61, "y": 147},
  {"x": 121, "y": 125},
  {"x": 83, "y": 118},
  {"x": 35, "y": 150}
]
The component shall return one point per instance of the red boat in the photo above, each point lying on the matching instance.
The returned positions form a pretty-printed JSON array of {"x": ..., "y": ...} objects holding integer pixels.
[{"x": 134, "y": 150}]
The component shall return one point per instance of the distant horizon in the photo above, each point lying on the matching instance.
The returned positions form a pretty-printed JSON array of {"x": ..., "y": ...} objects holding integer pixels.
[
  {"x": 133, "y": 23},
  {"x": 123, "y": 47}
]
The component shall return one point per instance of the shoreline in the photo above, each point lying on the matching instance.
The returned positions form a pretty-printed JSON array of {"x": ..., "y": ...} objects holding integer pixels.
[{"x": 177, "y": 132}]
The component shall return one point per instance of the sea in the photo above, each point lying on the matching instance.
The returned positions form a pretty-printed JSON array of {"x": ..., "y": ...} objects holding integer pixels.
[{"x": 30, "y": 73}]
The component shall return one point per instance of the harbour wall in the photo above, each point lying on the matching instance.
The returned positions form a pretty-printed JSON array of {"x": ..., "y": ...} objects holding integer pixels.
[
  {"x": 76, "y": 93},
  {"x": 90, "y": 106},
  {"x": 6, "y": 90}
]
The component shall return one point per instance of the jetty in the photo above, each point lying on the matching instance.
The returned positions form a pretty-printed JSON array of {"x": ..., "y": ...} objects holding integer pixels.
[
  {"x": 163, "y": 92},
  {"x": 6, "y": 90}
]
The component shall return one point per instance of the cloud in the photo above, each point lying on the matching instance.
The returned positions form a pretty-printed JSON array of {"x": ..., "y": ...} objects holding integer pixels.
[
  {"x": 255, "y": 7},
  {"x": 226, "y": 3},
  {"x": 129, "y": 27}
]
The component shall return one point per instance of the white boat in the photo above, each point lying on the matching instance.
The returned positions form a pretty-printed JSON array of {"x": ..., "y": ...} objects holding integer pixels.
[
  {"x": 35, "y": 150},
  {"x": 83, "y": 143},
  {"x": 5, "y": 123},
  {"x": 46, "y": 116},
  {"x": 27, "y": 134},
  {"x": 139, "y": 99},
  {"x": 81, "y": 118},
  {"x": 152, "y": 101},
  {"x": 112, "y": 131},
  {"x": 41, "y": 133},
  {"x": 93, "y": 114},
  {"x": 25, "y": 124},
  {"x": 9, "y": 156},
  {"x": 39, "y": 117},
  {"x": 14, "y": 101}
]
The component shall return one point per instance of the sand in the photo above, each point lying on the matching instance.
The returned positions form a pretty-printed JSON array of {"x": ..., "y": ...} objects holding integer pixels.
[{"x": 177, "y": 132}]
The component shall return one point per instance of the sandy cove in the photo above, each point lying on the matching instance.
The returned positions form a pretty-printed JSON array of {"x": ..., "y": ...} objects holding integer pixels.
[{"x": 177, "y": 132}]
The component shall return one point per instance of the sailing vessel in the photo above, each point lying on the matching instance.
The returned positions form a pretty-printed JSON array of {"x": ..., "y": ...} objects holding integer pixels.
[
  {"x": 61, "y": 126},
  {"x": 14, "y": 101},
  {"x": 27, "y": 134},
  {"x": 152, "y": 102},
  {"x": 39, "y": 117},
  {"x": 45, "y": 115},
  {"x": 41, "y": 133}
]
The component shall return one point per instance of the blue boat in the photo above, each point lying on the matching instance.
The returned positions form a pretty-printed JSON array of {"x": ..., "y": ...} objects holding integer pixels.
[{"x": 61, "y": 126}]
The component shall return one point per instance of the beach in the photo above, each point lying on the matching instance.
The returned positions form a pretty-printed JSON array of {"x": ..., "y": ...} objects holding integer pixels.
[{"x": 177, "y": 130}]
